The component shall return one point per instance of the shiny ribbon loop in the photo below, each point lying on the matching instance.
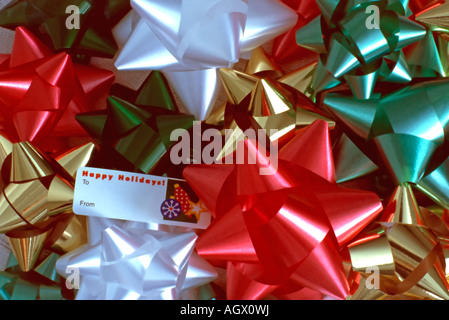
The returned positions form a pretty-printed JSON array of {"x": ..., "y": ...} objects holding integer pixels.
[
  {"x": 135, "y": 135},
  {"x": 38, "y": 221},
  {"x": 368, "y": 43},
  {"x": 407, "y": 253},
  {"x": 92, "y": 23},
  {"x": 129, "y": 260},
  {"x": 263, "y": 98},
  {"x": 191, "y": 35},
  {"x": 42, "y": 92},
  {"x": 285, "y": 49},
  {"x": 396, "y": 126},
  {"x": 43, "y": 283},
  {"x": 418, "y": 273},
  {"x": 272, "y": 213}
]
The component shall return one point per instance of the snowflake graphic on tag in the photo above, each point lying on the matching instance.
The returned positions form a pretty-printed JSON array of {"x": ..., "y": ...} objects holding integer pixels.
[{"x": 171, "y": 208}]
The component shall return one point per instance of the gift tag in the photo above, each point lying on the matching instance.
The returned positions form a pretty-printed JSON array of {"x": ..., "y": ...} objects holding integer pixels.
[{"x": 138, "y": 197}]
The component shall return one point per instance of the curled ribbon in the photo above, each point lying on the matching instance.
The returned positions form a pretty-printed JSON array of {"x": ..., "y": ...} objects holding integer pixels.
[{"x": 392, "y": 250}]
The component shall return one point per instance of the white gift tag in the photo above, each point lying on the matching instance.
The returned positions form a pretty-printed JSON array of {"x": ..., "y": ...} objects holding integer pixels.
[{"x": 138, "y": 197}]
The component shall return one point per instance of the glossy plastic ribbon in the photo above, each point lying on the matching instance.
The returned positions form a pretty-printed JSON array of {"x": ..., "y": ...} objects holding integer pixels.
[
  {"x": 273, "y": 230},
  {"x": 263, "y": 97},
  {"x": 43, "y": 283},
  {"x": 433, "y": 15},
  {"x": 406, "y": 250},
  {"x": 435, "y": 184},
  {"x": 189, "y": 40},
  {"x": 40, "y": 92},
  {"x": 285, "y": 49},
  {"x": 136, "y": 135},
  {"x": 92, "y": 24},
  {"x": 364, "y": 43},
  {"x": 36, "y": 202},
  {"x": 400, "y": 131},
  {"x": 404, "y": 133},
  {"x": 192, "y": 35},
  {"x": 127, "y": 260}
]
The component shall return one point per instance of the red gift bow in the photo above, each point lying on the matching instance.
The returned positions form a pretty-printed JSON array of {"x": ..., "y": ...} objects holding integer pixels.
[
  {"x": 41, "y": 92},
  {"x": 285, "y": 49},
  {"x": 283, "y": 232}
]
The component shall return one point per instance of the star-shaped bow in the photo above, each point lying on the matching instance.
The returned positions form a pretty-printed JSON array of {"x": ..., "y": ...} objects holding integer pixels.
[
  {"x": 92, "y": 22},
  {"x": 43, "y": 283},
  {"x": 404, "y": 133},
  {"x": 194, "y": 39},
  {"x": 36, "y": 202},
  {"x": 434, "y": 16},
  {"x": 262, "y": 97},
  {"x": 398, "y": 48},
  {"x": 404, "y": 253},
  {"x": 135, "y": 136},
  {"x": 41, "y": 92},
  {"x": 400, "y": 131},
  {"x": 181, "y": 43},
  {"x": 281, "y": 232},
  {"x": 125, "y": 260}
]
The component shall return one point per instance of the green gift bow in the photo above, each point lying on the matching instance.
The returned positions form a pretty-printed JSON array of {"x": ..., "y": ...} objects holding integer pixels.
[
  {"x": 135, "y": 136},
  {"x": 360, "y": 52},
  {"x": 47, "y": 19},
  {"x": 43, "y": 283},
  {"x": 404, "y": 131}
]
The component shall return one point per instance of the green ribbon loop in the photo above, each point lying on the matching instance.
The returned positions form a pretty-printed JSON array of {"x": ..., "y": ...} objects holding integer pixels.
[
  {"x": 362, "y": 43},
  {"x": 43, "y": 283},
  {"x": 404, "y": 129},
  {"x": 92, "y": 34},
  {"x": 134, "y": 132}
]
